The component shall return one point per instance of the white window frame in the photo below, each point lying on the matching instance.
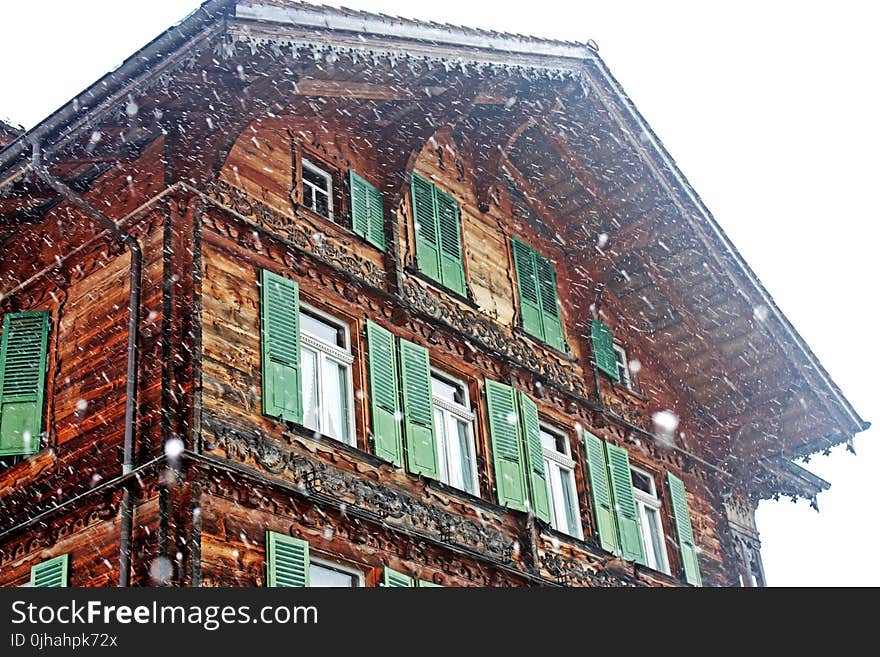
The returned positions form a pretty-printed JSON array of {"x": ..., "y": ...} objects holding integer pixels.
[
  {"x": 452, "y": 413},
  {"x": 338, "y": 567},
  {"x": 338, "y": 355},
  {"x": 645, "y": 501},
  {"x": 556, "y": 465},
  {"x": 314, "y": 168},
  {"x": 622, "y": 363}
]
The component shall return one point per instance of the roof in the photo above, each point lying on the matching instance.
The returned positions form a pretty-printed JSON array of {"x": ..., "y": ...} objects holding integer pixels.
[
  {"x": 9, "y": 132},
  {"x": 645, "y": 179}
]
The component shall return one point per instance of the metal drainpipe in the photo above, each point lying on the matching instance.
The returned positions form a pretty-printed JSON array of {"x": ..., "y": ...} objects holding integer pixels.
[{"x": 134, "y": 305}]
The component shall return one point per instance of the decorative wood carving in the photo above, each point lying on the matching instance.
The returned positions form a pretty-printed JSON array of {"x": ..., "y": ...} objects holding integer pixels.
[{"x": 299, "y": 231}]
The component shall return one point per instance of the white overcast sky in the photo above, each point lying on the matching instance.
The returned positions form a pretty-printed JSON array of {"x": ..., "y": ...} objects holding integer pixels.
[{"x": 770, "y": 109}]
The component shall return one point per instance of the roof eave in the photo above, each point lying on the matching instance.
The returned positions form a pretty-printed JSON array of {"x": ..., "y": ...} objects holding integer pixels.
[{"x": 385, "y": 26}]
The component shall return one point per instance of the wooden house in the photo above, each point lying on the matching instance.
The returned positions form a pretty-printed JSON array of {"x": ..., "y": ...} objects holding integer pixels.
[{"x": 307, "y": 296}]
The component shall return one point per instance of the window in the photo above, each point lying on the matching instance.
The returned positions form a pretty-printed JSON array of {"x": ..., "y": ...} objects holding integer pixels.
[
  {"x": 325, "y": 362},
  {"x": 437, "y": 225},
  {"x": 648, "y": 507},
  {"x": 515, "y": 431},
  {"x": 453, "y": 423},
  {"x": 561, "y": 489},
  {"x": 538, "y": 303},
  {"x": 317, "y": 189},
  {"x": 623, "y": 373},
  {"x": 325, "y": 574},
  {"x": 289, "y": 564}
]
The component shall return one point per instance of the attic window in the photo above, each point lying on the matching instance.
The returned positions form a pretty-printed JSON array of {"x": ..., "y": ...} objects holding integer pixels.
[{"x": 317, "y": 189}]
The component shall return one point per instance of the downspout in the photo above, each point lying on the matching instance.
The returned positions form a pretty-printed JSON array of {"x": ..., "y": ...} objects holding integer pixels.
[{"x": 131, "y": 387}]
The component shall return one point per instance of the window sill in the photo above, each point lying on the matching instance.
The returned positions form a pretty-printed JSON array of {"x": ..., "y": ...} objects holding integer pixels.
[
  {"x": 628, "y": 392},
  {"x": 16, "y": 465},
  {"x": 520, "y": 331},
  {"x": 581, "y": 543},
  {"x": 659, "y": 574},
  {"x": 437, "y": 285},
  {"x": 302, "y": 431},
  {"x": 342, "y": 229},
  {"x": 464, "y": 496}
]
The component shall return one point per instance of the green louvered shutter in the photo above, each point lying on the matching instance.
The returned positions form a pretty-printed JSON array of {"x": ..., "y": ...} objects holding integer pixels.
[
  {"x": 527, "y": 282},
  {"x": 603, "y": 349},
  {"x": 451, "y": 260},
  {"x": 279, "y": 322},
  {"x": 22, "y": 381},
  {"x": 51, "y": 573},
  {"x": 395, "y": 579},
  {"x": 287, "y": 561},
  {"x": 384, "y": 400},
  {"x": 418, "y": 413},
  {"x": 510, "y": 475},
  {"x": 425, "y": 219},
  {"x": 684, "y": 529},
  {"x": 531, "y": 429},
  {"x": 603, "y": 508},
  {"x": 425, "y": 584},
  {"x": 376, "y": 207},
  {"x": 549, "y": 302},
  {"x": 367, "y": 211},
  {"x": 360, "y": 211},
  {"x": 624, "y": 504}
]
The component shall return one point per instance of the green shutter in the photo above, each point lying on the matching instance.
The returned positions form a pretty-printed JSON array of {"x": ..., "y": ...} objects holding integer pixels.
[
  {"x": 279, "y": 324},
  {"x": 531, "y": 429},
  {"x": 603, "y": 349},
  {"x": 603, "y": 508},
  {"x": 527, "y": 282},
  {"x": 22, "y": 381},
  {"x": 51, "y": 573},
  {"x": 367, "y": 211},
  {"x": 549, "y": 302},
  {"x": 425, "y": 220},
  {"x": 624, "y": 504},
  {"x": 425, "y": 584},
  {"x": 451, "y": 261},
  {"x": 418, "y": 412},
  {"x": 384, "y": 404},
  {"x": 510, "y": 477},
  {"x": 360, "y": 212},
  {"x": 395, "y": 579},
  {"x": 684, "y": 529},
  {"x": 287, "y": 561}
]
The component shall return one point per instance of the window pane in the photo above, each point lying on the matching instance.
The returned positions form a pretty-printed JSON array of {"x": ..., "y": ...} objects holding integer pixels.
[
  {"x": 569, "y": 501},
  {"x": 310, "y": 388},
  {"x": 334, "y": 400},
  {"x": 442, "y": 448},
  {"x": 656, "y": 538},
  {"x": 321, "y": 577},
  {"x": 318, "y": 328},
  {"x": 314, "y": 177},
  {"x": 322, "y": 205},
  {"x": 642, "y": 482},
  {"x": 308, "y": 197},
  {"x": 464, "y": 453},
  {"x": 445, "y": 390},
  {"x": 548, "y": 440}
]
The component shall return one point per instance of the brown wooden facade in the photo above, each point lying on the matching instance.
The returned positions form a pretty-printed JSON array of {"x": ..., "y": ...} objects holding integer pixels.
[{"x": 200, "y": 158}]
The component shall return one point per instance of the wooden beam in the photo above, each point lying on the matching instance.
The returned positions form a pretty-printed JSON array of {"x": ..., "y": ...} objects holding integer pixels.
[
  {"x": 576, "y": 167},
  {"x": 360, "y": 90}
]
